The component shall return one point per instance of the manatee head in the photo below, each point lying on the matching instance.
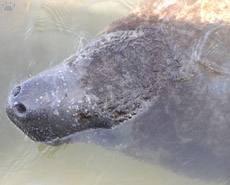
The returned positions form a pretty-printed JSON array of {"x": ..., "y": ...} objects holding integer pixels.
[{"x": 103, "y": 85}]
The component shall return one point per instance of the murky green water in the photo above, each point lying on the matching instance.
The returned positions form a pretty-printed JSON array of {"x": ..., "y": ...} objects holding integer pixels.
[{"x": 35, "y": 35}]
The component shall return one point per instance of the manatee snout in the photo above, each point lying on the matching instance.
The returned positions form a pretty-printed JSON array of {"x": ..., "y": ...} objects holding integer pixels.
[
  {"x": 30, "y": 106},
  {"x": 52, "y": 105}
]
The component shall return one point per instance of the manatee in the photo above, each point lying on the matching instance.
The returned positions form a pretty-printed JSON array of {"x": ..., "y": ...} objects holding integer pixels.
[{"x": 155, "y": 85}]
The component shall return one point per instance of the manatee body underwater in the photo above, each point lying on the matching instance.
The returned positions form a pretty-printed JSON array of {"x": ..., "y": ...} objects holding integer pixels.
[{"x": 155, "y": 85}]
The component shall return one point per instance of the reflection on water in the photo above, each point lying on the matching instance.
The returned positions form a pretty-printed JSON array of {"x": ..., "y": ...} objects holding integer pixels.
[{"x": 38, "y": 34}]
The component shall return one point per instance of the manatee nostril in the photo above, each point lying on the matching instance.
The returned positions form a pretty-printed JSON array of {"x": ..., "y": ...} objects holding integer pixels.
[
  {"x": 20, "y": 108},
  {"x": 16, "y": 91}
]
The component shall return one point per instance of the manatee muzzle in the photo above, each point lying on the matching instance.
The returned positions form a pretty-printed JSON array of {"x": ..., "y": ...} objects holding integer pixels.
[{"x": 52, "y": 105}]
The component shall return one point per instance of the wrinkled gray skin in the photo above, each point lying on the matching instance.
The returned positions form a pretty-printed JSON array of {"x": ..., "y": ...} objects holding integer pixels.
[{"x": 167, "y": 86}]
